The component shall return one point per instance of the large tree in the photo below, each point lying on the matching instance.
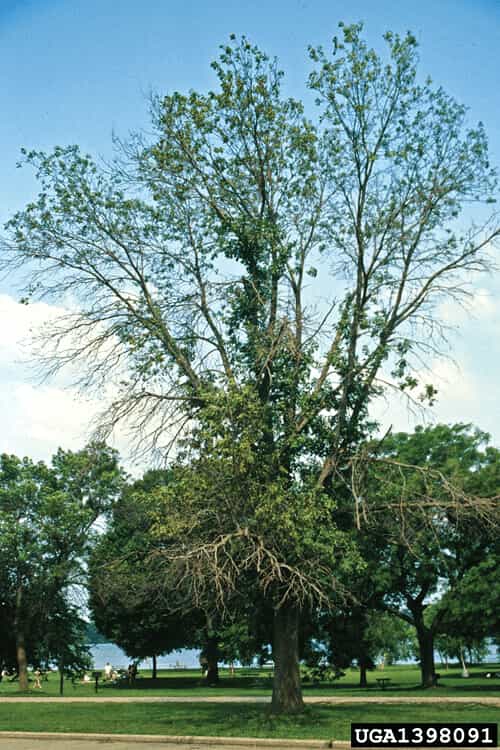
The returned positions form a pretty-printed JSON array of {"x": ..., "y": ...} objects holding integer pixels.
[{"x": 247, "y": 274}]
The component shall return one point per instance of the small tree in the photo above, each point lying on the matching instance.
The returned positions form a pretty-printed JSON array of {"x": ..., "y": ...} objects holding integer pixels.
[
  {"x": 363, "y": 637},
  {"x": 471, "y": 609},
  {"x": 46, "y": 519},
  {"x": 126, "y": 589},
  {"x": 130, "y": 596},
  {"x": 440, "y": 484}
]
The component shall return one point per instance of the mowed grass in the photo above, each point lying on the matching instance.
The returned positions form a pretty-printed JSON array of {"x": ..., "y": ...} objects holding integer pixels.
[
  {"x": 404, "y": 680},
  {"x": 236, "y": 720}
]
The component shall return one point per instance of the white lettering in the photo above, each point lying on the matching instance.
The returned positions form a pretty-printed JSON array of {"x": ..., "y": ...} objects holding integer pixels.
[
  {"x": 458, "y": 735},
  {"x": 486, "y": 734},
  {"x": 361, "y": 735},
  {"x": 389, "y": 736}
]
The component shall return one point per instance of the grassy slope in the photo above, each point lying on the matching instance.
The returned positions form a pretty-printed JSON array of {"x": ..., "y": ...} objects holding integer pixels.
[
  {"x": 243, "y": 720},
  {"x": 404, "y": 681}
]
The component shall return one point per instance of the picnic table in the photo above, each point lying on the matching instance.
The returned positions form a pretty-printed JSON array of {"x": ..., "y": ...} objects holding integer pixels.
[{"x": 383, "y": 682}]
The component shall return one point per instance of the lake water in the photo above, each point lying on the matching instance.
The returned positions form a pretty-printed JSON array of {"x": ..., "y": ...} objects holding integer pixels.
[
  {"x": 188, "y": 658},
  {"x": 104, "y": 652}
]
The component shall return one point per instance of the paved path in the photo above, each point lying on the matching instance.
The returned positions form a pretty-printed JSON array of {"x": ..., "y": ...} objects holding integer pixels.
[
  {"x": 66, "y": 744},
  {"x": 53, "y": 741},
  {"x": 330, "y": 699}
]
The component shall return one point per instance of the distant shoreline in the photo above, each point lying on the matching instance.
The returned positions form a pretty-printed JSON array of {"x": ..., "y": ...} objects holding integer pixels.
[{"x": 189, "y": 658}]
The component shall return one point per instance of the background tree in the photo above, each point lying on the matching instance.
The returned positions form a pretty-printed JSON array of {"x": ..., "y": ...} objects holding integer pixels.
[
  {"x": 362, "y": 637},
  {"x": 442, "y": 484},
  {"x": 61, "y": 639},
  {"x": 470, "y": 610},
  {"x": 46, "y": 520},
  {"x": 131, "y": 600},
  {"x": 460, "y": 648},
  {"x": 197, "y": 263},
  {"x": 125, "y": 602}
]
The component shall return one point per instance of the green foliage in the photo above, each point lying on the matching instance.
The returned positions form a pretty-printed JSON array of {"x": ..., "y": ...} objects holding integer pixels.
[
  {"x": 124, "y": 578},
  {"x": 47, "y": 514},
  {"x": 441, "y": 486},
  {"x": 360, "y": 635},
  {"x": 92, "y": 635},
  {"x": 442, "y": 483},
  {"x": 238, "y": 514},
  {"x": 320, "y": 672},
  {"x": 458, "y": 648},
  {"x": 470, "y": 610},
  {"x": 133, "y": 602}
]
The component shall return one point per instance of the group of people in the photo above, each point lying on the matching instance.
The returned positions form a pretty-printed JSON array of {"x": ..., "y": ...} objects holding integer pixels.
[
  {"x": 11, "y": 674},
  {"x": 37, "y": 676},
  {"x": 112, "y": 674}
]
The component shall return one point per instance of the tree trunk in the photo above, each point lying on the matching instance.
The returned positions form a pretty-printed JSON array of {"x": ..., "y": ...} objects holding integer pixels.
[
  {"x": 443, "y": 661},
  {"x": 22, "y": 661},
  {"x": 465, "y": 671},
  {"x": 211, "y": 652},
  {"x": 426, "y": 649},
  {"x": 363, "y": 682},
  {"x": 287, "y": 693},
  {"x": 155, "y": 670},
  {"x": 61, "y": 676}
]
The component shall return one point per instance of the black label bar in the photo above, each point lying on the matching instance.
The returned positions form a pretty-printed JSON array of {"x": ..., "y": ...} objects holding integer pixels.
[{"x": 424, "y": 735}]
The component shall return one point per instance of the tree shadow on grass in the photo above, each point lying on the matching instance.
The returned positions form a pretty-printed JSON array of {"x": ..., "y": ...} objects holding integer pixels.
[{"x": 187, "y": 683}]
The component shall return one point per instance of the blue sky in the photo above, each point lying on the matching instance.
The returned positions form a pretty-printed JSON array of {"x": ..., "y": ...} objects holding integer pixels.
[{"x": 72, "y": 71}]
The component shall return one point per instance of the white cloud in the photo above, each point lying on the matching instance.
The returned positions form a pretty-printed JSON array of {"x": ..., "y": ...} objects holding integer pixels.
[
  {"x": 468, "y": 382},
  {"x": 482, "y": 305},
  {"x": 18, "y": 321},
  {"x": 466, "y": 393},
  {"x": 36, "y": 418}
]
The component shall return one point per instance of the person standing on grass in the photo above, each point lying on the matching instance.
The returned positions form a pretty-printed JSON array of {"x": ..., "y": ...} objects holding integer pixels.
[
  {"x": 38, "y": 675},
  {"x": 108, "y": 670}
]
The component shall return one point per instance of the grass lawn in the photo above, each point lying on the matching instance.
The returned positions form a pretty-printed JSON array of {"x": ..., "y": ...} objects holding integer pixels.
[
  {"x": 240, "y": 720},
  {"x": 253, "y": 682}
]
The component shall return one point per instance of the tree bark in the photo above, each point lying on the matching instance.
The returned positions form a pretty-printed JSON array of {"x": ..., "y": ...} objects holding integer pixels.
[
  {"x": 287, "y": 692},
  {"x": 465, "y": 671},
  {"x": 61, "y": 676},
  {"x": 22, "y": 662},
  {"x": 211, "y": 652},
  {"x": 363, "y": 682},
  {"x": 155, "y": 670},
  {"x": 425, "y": 638}
]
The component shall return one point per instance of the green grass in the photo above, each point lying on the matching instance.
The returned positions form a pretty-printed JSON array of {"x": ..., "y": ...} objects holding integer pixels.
[
  {"x": 404, "y": 681},
  {"x": 240, "y": 720}
]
